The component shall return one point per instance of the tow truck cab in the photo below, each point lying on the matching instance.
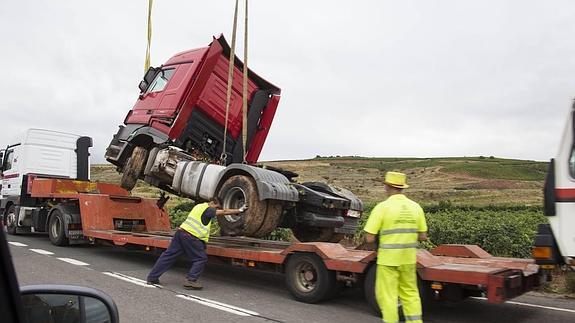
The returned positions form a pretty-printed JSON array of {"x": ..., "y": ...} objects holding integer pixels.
[
  {"x": 183, "y": 103},
  {"x": 38, "y": 153}
]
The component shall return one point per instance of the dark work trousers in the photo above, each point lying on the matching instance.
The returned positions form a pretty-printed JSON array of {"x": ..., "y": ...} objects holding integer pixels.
[{"x": 182, "y": 242}]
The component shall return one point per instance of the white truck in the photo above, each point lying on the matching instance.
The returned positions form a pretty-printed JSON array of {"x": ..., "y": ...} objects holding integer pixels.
[
  {"x": 555, "y": 242},
  {"x": 38, "y": 153}
]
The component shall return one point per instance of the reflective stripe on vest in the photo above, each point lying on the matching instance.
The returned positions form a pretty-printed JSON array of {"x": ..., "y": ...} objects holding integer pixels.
[
  {"x": 194, "y": 225},
  {"x": 398, "y": 245},
  {"x": 394, "y": 231}
]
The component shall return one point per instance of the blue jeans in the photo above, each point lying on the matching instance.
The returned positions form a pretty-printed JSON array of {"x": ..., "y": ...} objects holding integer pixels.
[{"x": 182, "y": 242}]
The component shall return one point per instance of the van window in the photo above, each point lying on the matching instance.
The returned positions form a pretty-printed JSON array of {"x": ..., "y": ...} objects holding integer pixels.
[
  {"x": 9, "y": 158},
  {"x": 161, "y": 80}
]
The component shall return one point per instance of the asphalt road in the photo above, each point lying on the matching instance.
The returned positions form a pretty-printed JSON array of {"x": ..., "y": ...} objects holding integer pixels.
[{"x": 232, "y": 294}]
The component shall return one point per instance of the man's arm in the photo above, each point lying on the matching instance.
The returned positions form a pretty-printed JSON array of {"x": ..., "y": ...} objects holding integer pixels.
[
  {"x": 422, "y": 236},
  {"x": 370, "y": 238},
  {"x": 231, "y": 211},
  {"x": 228, "y": 212}
]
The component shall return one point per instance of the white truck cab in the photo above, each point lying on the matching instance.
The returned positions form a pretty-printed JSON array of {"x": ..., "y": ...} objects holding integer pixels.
[
  {"x": 38, "y": 153},
  {"x": 555, "y": 242}
]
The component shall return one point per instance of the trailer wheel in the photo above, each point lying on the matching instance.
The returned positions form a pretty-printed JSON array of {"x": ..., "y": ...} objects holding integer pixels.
[
  {"x": 11, "y": 221},
  {"x": 235, "y": 192},
  {"x": 369, "y": 293},
  {"x": 133, "y": 168},
  {"x": 56, "y": 229},
  {"x": 308, "y": 280},
  {"x": 311, "y": 234}
]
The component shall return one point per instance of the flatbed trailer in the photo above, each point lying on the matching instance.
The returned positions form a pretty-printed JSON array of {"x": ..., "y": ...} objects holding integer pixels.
[{"x": 314, "y": 271}]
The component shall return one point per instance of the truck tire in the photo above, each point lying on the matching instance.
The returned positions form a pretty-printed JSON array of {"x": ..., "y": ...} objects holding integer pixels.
[
  {"x": 369, "y": 293},
  {"x": 236, "y": 191},
  {"x": 11, "y": 221},
  {"x": 311, "y": 234},
  {"x": 133, "y": 168},
  {"x": 56, "y": 229},
  {"x": 308, "y": 280},
  {"x": 272, "y": 219}
]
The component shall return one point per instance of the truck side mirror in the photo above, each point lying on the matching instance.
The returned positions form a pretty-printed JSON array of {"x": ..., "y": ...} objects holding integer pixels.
[
  {"x": 148, "y": 78},
  {"x": 63, "y": 303},
  {"x": 1, "y": 161}
]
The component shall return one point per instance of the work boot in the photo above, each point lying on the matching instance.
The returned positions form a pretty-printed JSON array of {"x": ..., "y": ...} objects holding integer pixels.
[
  {"x": 153, "y": 281},
  {"x": 192, "y": 284}
]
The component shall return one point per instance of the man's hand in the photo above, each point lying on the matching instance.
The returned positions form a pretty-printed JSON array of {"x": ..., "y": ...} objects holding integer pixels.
[{"x": 243, "y": 208}]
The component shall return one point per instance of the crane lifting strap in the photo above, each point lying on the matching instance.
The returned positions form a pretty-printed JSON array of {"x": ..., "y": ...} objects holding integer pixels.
[
  {"x": 223, "y": 158},
  {"x": 147, "y": 61}
]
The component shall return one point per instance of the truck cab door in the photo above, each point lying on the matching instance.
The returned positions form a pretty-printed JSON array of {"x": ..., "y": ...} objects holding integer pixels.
[
  {"x": 11, "y": 177},
  {"x": 562, "y": 222}
]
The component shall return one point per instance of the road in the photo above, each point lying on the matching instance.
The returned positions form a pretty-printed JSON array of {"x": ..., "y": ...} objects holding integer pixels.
[{"x": 231, "y": 294}]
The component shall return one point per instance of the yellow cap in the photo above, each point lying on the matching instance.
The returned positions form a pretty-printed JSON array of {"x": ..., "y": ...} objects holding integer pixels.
[{"x": 396, "y": 179}]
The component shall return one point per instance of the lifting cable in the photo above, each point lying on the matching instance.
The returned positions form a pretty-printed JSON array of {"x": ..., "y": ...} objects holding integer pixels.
[
  {"x": 223, "y": 158},
  {"x": 147, "y": 61},
  {"x": 245, "y": 87}
]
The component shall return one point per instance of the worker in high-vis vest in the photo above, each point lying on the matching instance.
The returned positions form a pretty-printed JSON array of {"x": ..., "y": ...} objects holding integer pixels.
[
  {"x": 191, "y": 238},
  {"x": 399, "y": 223}
]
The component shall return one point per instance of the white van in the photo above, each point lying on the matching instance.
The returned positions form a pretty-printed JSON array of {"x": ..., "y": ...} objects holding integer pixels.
[{"x": 39, "y": 153}]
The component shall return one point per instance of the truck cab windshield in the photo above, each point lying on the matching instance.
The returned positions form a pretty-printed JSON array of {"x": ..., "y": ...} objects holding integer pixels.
[{"x": 161, "y": 80}]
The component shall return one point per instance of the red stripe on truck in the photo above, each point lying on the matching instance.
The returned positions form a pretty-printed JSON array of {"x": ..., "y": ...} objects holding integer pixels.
[
  {"x": 11, "y": 176},
  {"x": 565, "y": 194}
]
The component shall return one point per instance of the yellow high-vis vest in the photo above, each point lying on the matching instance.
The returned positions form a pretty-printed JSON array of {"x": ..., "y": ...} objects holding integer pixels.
[
  {"x": 194, "y": 225},
  {"x": 398, "y": 222}
]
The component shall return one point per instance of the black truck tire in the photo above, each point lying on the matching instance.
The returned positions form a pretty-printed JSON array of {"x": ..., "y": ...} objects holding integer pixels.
[
  {"x": 308, "y": 280},
  {"x": 311, "y": 234},
  {"x": 11, "y": 221},
  {"x": 235, "y": 192},
  {"x": 56, "y": 229},
  {"x": 272, "y": 219},
  {"x": 369, "y": 292},
  {"x": 133, "y": 168}
]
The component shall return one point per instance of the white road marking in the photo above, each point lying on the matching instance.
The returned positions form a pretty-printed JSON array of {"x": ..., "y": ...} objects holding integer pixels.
[
  {"x": 17, "y": 244},
  {"x": 42, "y": 251},
  {"x": 74, "y": 261},
  {"x": 533, "y": 305},
  {"x": 220, "y": 306},
  {"x": 129, "y": 279}
]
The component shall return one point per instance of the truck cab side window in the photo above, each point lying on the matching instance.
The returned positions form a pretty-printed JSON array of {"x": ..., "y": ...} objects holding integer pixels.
[
  {"x": 161, "y": 80},
  {"x": 9, "y": 158}
]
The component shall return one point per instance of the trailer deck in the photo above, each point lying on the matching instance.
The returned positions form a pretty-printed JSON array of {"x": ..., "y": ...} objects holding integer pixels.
[{"x": 109, "y": 213}]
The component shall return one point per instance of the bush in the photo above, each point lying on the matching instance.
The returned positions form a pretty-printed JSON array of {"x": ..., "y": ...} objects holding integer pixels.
[
  {"x": 179, "y": 213},
  {"x": 505, "y": 231}
]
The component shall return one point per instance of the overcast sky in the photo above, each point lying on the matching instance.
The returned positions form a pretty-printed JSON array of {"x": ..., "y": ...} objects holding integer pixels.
[{"x": 370, "y": 78}]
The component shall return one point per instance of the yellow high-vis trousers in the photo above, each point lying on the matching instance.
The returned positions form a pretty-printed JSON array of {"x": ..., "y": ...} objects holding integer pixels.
[{"x": 400, "y": 281}]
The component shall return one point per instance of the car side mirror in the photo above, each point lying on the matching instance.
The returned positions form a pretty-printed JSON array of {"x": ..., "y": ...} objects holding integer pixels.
[
  {"x": 148, "y": 78},
  {"x": 64, "y": 303}
]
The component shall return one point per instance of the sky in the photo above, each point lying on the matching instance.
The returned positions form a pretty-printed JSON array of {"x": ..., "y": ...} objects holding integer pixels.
[{"x": 402, "y": 78}]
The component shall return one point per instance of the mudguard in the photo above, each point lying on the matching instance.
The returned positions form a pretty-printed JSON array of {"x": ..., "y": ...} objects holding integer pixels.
[{"x": 271, "y": 185}]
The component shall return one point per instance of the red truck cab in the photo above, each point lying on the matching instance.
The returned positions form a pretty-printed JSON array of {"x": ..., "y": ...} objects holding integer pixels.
[{"x": 183, "y": 103}]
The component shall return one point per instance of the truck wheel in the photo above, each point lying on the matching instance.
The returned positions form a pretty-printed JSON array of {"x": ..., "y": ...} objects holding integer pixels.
[
  {"x": 235, "y": 192},
  {"x": 11, "y": 221},
  {"x": 133, "y": 168},
  {"x": 272, "y": 219},
  {"x": 307, "y": 234},
  {"x": 308, "y": 280},
  {"x": 369, "y": 293},
  {"x": 56, "y": 228}
]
